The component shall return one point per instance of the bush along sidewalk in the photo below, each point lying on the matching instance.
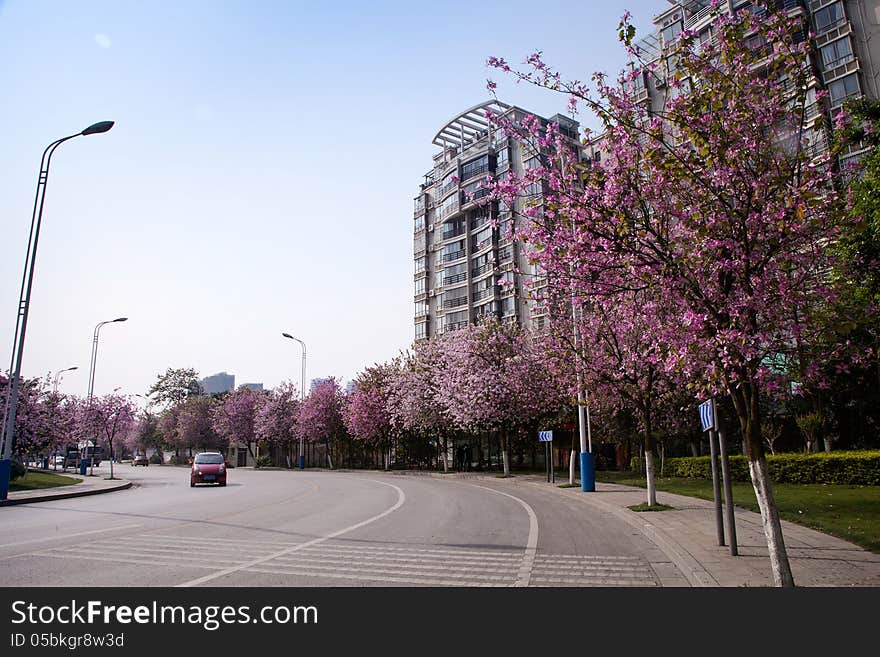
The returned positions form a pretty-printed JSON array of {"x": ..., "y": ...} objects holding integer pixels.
[{"x": 856, "y": 468}]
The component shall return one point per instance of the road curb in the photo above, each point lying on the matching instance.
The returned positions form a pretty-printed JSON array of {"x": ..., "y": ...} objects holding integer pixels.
[{"x": 123, "y": 484}]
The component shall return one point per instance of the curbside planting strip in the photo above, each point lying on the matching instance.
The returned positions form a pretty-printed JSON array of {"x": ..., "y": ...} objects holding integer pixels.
[{"x": 88, "y": 486}]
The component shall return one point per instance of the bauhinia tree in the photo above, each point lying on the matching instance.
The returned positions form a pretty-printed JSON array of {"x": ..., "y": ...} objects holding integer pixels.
[
  {"x": 366, "y": 414},
  {"x": 494, "y": 379},
  {"x": 320, "y": 416},
  {"x": 109, "y": 418},
  {"x": 276, "y": 417},
  {"x": 175, "y": 386},
  {"x": 712, "y": 202},
  {"x": 234, "y": 417}
]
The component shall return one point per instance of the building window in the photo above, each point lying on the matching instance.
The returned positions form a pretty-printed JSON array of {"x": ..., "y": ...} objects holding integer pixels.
[
  {"x": 836, "y": 53},
  {"x": 421, "y": 308},
  {"x": 670, "y": 32},
  {"x": 421, "y": 330},
  {"x": 420, "y": 265},
  {"x": 454, "y": 251},
  {"x": 503, "y": 158},
  {"x": 844, "y": 88},
  {"x": 420, "y": 286},
  {"x": 475, "y": 167},
  {"x": 828, "y": 17},
  {"x": 419, "y": 223}
]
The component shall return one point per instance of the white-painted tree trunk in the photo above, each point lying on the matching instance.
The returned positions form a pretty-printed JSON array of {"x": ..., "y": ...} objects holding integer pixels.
[
  {"x": 506, "y": 458},
  {"x": 329, "y": 458},
  {"x": 649, "y": 474},
  {"x": 571, "y": 467},
  {"x": 779, "y": 565},
  {"x": 445, "y": 455}
]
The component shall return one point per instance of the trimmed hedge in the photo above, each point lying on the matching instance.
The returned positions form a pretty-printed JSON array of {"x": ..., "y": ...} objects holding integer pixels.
[{"x": 856, "y": 468}]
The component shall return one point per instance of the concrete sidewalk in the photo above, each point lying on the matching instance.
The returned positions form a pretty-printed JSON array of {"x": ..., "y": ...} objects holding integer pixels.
[
  {"x": 87, "y": 486},
  {"x": 687, "y": 534}
]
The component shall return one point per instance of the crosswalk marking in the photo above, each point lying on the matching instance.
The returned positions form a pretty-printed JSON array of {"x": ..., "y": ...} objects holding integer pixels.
[{"x": 413, "y": 565}]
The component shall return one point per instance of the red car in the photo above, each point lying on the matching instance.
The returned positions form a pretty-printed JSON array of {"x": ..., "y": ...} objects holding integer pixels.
[{"x": 208, "y": 468}]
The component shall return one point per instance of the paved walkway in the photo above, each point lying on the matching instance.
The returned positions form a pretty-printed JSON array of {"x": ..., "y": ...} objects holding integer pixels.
[
  {"x": 687, "y": 534},
  {"x": 87, "y": 486}
]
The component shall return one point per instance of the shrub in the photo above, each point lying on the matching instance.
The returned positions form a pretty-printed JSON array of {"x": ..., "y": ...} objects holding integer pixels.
[
  {"x": 17, "y": 471},
  {"x": 263, "y": 461},
  {"x": 855, "y": 468},
  {"x": 156, "y": 459}
]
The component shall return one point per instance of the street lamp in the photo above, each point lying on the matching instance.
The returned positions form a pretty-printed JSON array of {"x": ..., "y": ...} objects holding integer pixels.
[
  {"x": 92, "y": 378},
  {"x": 24, "y": 303},
  {"x": 58, "y": 375},
  {"x": 302, "y": 392}
]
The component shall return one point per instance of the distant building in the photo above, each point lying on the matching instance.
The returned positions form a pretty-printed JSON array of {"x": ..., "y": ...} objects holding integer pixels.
[
  {"x": 256, "y": 387},
  {"x": 218, "y": 383},
  {"x": 316, "y": 382}
]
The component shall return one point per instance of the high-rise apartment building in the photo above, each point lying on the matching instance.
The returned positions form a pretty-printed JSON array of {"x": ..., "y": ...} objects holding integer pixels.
[
  {"x": 844, "y": 61},
  {"x": 459, "y": 255}
]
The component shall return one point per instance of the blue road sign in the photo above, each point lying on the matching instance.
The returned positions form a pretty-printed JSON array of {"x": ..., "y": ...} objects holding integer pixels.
[
  {"x": 545, "y": 436},
  {"x": 707, "y": 415}
]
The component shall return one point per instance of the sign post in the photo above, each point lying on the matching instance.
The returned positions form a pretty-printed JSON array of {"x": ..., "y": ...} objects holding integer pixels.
[
  {"x": 709, "y": 421},
  {"x": 546, "y": 437}
]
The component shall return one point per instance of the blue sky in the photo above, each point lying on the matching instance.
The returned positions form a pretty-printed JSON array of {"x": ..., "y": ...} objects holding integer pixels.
[{"x": 260, "y": 175}]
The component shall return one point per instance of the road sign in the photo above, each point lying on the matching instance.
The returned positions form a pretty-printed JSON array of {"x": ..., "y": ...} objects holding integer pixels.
[
  {"x": 707, "y": 415},
  {"x": 545, "y": 436}
]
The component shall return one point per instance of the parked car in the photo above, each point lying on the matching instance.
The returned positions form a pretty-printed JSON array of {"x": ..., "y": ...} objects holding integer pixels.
[
  {"x": 58, "y": 460},
  {"x": 208, "y": 468},
  {"x": 140, "y": 459}
]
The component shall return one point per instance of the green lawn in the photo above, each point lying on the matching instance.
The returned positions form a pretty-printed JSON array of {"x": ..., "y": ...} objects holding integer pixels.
[
  {"x": 848, "y": 512},
  {"x": 35, "y": 480}
]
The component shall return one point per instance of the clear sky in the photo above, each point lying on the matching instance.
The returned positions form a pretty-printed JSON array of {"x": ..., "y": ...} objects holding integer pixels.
[{"x": 260, "y": 175}]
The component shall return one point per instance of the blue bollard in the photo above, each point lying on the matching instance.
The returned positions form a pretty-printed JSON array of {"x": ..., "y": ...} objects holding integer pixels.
[
  {"x": 588, "y": 473},
  {"x": 83, "y": 466},
  {"x": 5, "y": 473},
  {"x": 302, "y": 461}
]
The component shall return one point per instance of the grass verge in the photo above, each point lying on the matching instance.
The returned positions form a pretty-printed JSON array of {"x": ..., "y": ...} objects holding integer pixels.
[
  {"x": 650, "y": 507},
  {"x": 848, "y": 512},
  {"x": 38, "y": 480}
]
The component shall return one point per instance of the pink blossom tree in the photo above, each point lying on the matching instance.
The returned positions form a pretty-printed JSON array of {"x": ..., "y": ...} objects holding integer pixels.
[
  {"x": 276, "y": 417},
  {"x": 320, "y": 416},
  {"x": 195, "y": 427},
  {"x": 109, "y": 419},
  {"x": 711, "y": 203},
  {"x": 414, "y": 403},
  {"x": 367, "y": 414},
  {"x": 494, "y": 378},
  {"x": 233, "y": 418}
]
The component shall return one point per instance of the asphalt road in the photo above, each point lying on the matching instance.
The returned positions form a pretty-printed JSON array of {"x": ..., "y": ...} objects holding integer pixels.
[{"x": 320, "y": 528}]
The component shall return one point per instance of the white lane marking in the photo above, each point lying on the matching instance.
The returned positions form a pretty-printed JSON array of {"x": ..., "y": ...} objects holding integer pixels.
[
  {"x": 57, "y": 537},
  {"x": 528, "y": 561},
  {"x": 401, "y": 498}
]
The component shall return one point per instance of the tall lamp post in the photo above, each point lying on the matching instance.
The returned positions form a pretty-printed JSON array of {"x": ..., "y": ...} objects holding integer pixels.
[
  {"x": 24, "y": 304},
  {"x": 58, "y": 376},
  {"x": 302, "y": 392},
  {"x": 92, "y": 381}
]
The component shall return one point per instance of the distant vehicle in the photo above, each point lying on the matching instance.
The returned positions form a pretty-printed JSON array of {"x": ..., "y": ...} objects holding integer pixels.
[
  {"x": 58, "y": 459},
  {"x": 208, "y": 468},
  {"x": 75, "y": 454},
  {"x": 140, "y": 459}
]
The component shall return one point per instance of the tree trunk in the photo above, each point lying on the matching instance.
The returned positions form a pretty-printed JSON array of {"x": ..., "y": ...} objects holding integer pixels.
[
  {"x": 571, "y": 458},
  {"x": 445, "y": 454},
  {"x": 772, "y": 527},
  {"x": 505, "y": 452},
  {"x": 329, "y": 458},
  {"x": 649, "y": 475},
  {"x": 745, "y": 400}
]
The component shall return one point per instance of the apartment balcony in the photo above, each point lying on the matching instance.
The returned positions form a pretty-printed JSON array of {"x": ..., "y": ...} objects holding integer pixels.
[
  {"x": 455, "y": 303},
  {"x": 476, "y": 171},
  {"x": 832, "y": 32},
  {"x": 450, "y": 234},
  {"x": 839, "y": 68},
  {"x": 455, "y": 278},
  {"x": 482, "y": 270},
  {"x": 483, "y": 294},
  {"x": 448, "y": 187},
  {"x": 457, "y": 255},
  {"x": 482, "y": 245},
  {"x": 454, "y": 326},
  {"x": 473, "y": 198}
]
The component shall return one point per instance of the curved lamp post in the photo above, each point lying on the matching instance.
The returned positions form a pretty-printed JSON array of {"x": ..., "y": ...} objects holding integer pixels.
[
  {"x": 58, "y": 376},
  {"x": 92, "y": 376},
  {"x": 302, "y": 458},
  {"x": 24, "y": 302}
]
